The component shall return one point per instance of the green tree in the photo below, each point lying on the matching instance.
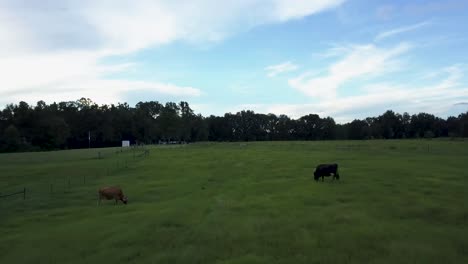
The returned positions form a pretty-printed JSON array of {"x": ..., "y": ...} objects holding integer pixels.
[{"x": 12, "y": 138}]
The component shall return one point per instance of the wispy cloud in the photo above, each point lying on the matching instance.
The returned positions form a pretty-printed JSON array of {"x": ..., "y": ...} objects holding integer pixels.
[
  {"x": 436, "y": 98},
  {"x": 71, "y": 75},
  {"x": 335, "y": 50},
  {"x": 292, "y": 9},
  {"x": 126, "y": 25},
  {"x": 360, "y": 61},
  {"x": 274, "y": 70},
  {"x": 441, "y": 97},
  {"x": 53, "y": 46},
  {"x": 400, "y": 30}
]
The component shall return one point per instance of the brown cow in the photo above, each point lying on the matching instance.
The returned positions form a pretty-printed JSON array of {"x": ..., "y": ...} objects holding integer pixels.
[{"x": 110, "y": 193}]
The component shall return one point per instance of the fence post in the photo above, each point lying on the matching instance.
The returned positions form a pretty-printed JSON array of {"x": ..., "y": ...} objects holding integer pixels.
[{"x": 24, "y": 193}]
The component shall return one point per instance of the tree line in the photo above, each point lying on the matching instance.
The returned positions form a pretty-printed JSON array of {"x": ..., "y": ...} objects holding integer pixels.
[{"x": 83, "y": 123}]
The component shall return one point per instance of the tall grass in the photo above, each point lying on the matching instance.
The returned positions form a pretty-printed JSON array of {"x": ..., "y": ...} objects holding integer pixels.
[{"x": 396, "y": 202}]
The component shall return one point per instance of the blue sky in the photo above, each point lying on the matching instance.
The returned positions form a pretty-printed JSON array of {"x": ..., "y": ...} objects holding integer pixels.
[{"x": 341, "y": 58}]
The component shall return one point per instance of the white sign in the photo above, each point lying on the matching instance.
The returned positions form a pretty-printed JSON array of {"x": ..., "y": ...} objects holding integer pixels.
[{"x": 125, "y": 143}]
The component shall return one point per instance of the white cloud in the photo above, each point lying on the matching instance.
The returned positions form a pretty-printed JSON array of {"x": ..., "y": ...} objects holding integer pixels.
[
  {"x": 72, "y": 75},
  {"x": 99, "y": 90},
  {"x": 55, "y": 49},
  {"x": 291, "y": 9},
  {"x": 437, "y": 99},
  {"x": 127, "y": 25},
  {"x": 400, "y": 30},
  {"x": 336, "y": 50},
  {"x": 274, "y": 70},
  {"x": 132, "y": 25},
  {"x": 360, "y": 61}
]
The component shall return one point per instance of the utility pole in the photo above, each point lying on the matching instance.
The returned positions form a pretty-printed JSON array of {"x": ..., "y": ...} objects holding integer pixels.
[{"x": 89, "y": 139}]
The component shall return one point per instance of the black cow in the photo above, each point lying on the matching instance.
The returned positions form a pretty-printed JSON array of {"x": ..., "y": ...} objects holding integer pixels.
[{"x": 326, "y": 170}]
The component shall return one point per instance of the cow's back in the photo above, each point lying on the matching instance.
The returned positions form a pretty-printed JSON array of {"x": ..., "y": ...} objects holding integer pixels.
[
  {"x": 110, "y": 192},
  {"x": 327, "y": 168}
]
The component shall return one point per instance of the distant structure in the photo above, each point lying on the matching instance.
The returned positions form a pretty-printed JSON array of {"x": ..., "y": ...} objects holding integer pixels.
[{"x": 125, "y": 143}]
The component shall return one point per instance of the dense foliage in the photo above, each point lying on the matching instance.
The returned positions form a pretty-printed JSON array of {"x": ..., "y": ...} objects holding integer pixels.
[{"x": 70, "y": 124}]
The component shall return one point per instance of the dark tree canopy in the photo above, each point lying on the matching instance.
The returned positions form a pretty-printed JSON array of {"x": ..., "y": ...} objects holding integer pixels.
[{"x": 65, "y": 125}]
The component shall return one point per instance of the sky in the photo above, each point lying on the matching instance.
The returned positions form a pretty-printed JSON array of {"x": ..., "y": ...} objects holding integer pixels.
[{"x": 346, "y": 59}]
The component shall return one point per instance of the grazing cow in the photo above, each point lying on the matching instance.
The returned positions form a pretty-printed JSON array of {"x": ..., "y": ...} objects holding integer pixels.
[
  {"x": 325, "y": 170},
  {"x": 109, "y": 193}
]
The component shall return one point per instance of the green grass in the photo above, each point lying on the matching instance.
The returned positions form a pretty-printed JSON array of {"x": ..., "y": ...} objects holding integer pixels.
[{"x": 397, "y": 202}]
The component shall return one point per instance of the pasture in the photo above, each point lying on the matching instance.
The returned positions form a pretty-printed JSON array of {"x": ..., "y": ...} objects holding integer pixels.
[{"x": 396, "y": 202}]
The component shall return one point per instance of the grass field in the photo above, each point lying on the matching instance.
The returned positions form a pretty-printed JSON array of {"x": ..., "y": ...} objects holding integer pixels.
[{"x": 397, "y": 202}]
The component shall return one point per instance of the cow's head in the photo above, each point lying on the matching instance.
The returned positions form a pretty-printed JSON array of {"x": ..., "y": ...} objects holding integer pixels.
[
  {"x": 316, "y": 177},
  {"x": 125, "y": 199}
]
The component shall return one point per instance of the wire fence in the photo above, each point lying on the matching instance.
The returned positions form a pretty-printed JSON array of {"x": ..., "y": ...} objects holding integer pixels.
[
  {"x": 53, "y": 185},
  {"x": 114, "y": 161},
  {"x": 23, "y": 192}
]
